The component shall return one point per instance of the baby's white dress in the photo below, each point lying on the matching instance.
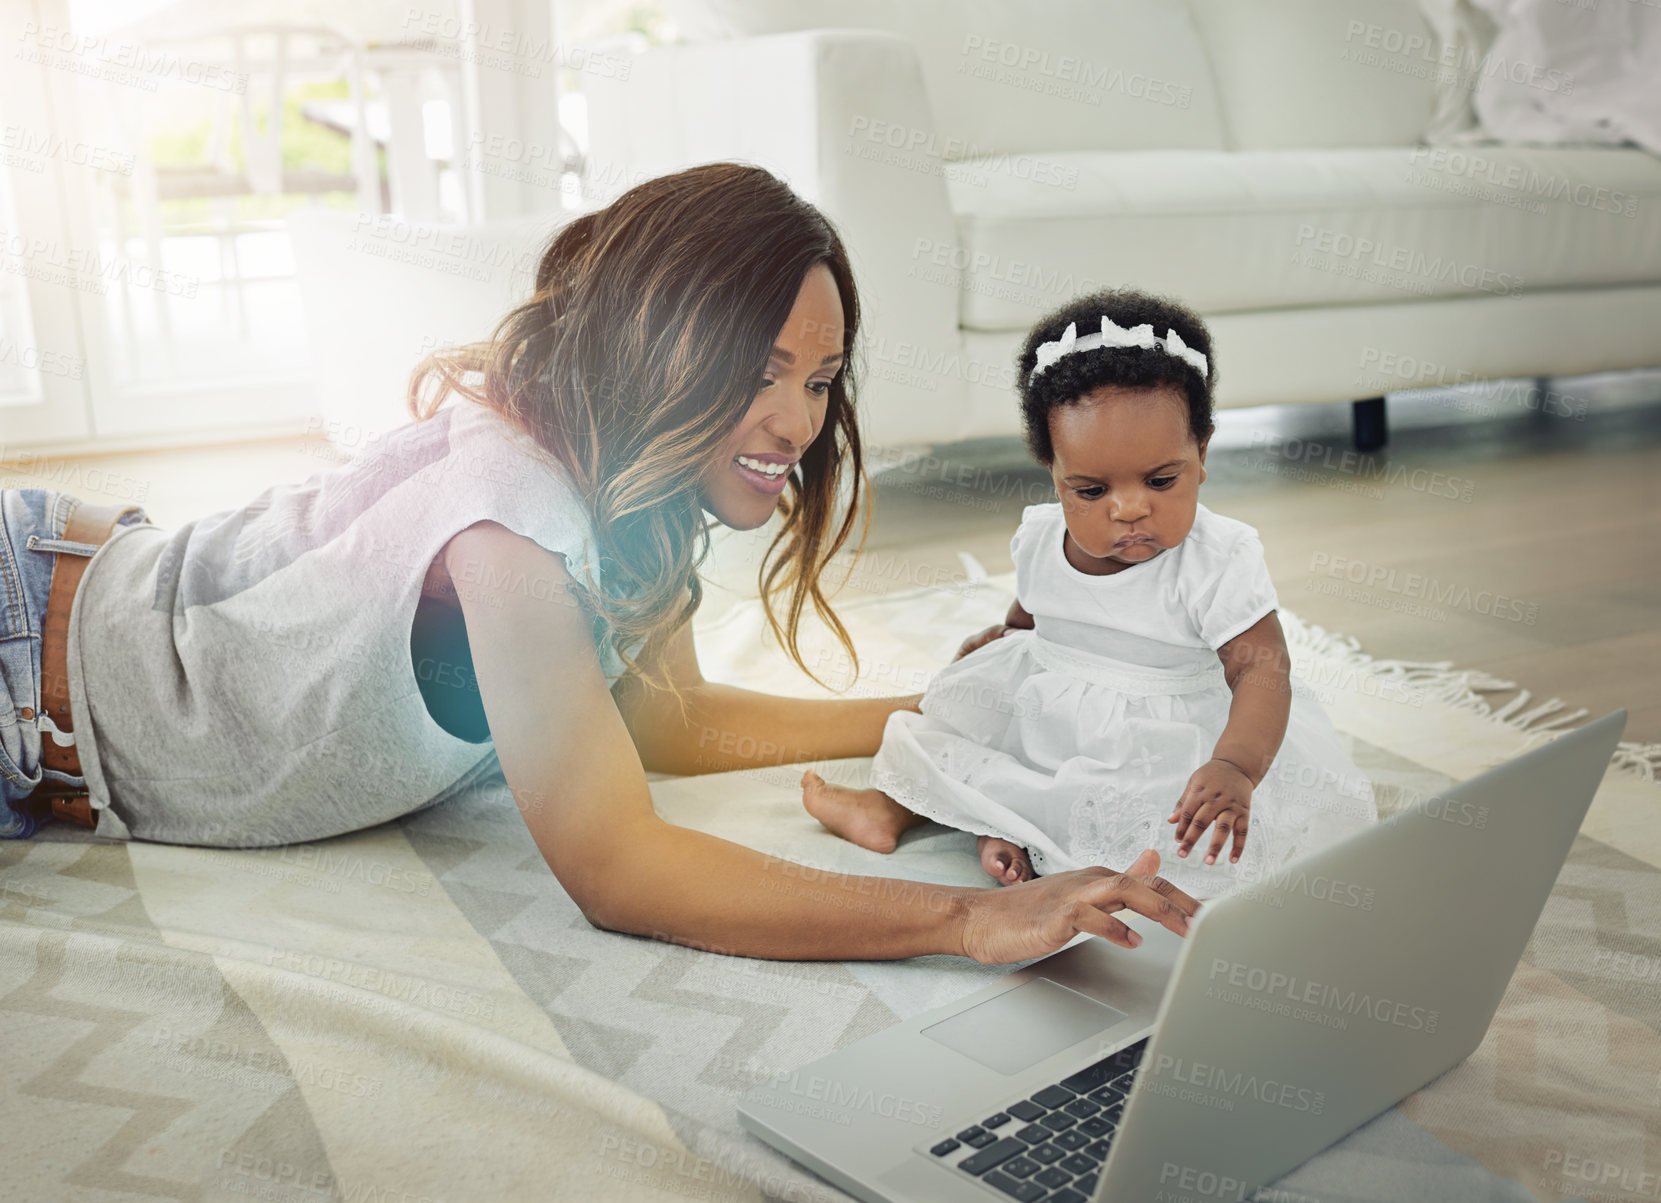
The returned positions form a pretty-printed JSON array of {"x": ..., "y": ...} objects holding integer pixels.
[{"x": 1076, "y": 739}]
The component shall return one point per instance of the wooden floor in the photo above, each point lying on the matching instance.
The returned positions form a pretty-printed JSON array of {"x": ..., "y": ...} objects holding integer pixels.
[{"x": 1523, "y": 544}]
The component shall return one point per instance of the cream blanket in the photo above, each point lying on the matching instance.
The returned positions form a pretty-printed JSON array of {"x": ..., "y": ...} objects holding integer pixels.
[{"x": 419, "y": 1012}]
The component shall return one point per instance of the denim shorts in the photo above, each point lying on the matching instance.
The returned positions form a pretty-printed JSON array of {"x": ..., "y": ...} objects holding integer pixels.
[{"x": 32, "y": 523}]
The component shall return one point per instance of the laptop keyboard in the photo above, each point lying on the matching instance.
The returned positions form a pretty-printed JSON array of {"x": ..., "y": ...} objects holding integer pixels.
[{"x": 1049, "y": 1146}]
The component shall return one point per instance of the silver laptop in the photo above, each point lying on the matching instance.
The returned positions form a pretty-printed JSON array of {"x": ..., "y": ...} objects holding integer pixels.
[{"x": 1204, "y": 1067}]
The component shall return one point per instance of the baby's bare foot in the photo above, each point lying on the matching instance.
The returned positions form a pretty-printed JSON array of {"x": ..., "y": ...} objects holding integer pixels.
[
  {"x": 1006, "y": 863},
  {"x": 867, "y": 817}
]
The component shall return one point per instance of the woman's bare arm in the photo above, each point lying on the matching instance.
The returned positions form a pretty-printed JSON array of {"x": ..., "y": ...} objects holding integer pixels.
[
  {"x": 723, "y": 727},
  {"x": 572, "y": 766}
]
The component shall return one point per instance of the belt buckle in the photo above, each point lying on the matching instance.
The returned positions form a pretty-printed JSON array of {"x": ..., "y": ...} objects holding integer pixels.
[
  {"x": 74, "y": 808},
  {"x": 67, "y": 802}
]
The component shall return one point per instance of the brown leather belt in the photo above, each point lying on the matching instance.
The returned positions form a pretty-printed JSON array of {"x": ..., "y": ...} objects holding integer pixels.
[{"x": 87, "y": 524}]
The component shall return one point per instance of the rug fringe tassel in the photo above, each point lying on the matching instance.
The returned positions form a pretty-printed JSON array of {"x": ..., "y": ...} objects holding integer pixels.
[
  {"x": 1462, "y": 689},
  {"x": 1643, "y": 759}
]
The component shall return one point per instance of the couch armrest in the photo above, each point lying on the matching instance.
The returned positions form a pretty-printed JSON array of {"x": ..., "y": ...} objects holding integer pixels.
[{"x": 843, "y": 117}]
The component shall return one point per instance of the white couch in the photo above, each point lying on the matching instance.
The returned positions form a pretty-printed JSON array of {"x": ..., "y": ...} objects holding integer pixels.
[{"x": 1262, "y": 161}]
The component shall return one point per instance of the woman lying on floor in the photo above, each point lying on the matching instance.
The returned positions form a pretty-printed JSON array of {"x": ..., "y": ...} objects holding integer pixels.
[{"x": 302, "y": 666}]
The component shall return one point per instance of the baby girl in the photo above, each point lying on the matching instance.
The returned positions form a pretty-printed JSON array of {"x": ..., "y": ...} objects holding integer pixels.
[{"x": 1141, "y": 678}]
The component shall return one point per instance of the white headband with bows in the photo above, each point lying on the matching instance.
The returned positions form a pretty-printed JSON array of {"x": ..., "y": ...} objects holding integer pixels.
[{"x": 1113, "y": 335}]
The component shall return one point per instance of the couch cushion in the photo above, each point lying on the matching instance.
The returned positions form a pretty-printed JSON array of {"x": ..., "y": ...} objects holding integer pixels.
[
  {"x": 1225, "y": 231},
  {"x": 1302, "y": 74},
  {"x": 1006, "y": 76}
]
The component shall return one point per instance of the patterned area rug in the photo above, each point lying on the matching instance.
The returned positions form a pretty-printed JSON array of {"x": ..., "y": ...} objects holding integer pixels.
[{"x": 419, "y": 1012}]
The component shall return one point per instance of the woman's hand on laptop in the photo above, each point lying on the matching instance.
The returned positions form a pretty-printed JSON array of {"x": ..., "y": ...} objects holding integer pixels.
[{"x": 1035, "y": 918}]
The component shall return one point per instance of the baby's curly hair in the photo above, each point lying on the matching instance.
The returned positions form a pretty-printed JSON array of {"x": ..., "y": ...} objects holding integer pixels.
[{"x": 1069, "y": 378}]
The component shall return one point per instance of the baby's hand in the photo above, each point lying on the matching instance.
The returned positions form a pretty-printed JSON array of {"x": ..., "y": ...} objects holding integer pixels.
[{"x": 1220, "y": 793}]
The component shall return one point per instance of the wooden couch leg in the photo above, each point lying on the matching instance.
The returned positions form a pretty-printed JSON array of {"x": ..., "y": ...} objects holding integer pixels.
[{"x": 1371, "y": 429}]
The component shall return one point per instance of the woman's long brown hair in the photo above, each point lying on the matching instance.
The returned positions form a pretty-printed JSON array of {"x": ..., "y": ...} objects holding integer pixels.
[{"x": 636, "y": 357}]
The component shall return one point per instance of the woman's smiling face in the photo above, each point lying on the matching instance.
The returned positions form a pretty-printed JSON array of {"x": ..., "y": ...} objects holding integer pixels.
[
  {"x": 1128, "y": 471},
  {"x": 742, "y": 487}
]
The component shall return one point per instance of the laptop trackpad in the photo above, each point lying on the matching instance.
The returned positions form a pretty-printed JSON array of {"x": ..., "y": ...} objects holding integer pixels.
[{"x": 1022, "y": 1026}]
